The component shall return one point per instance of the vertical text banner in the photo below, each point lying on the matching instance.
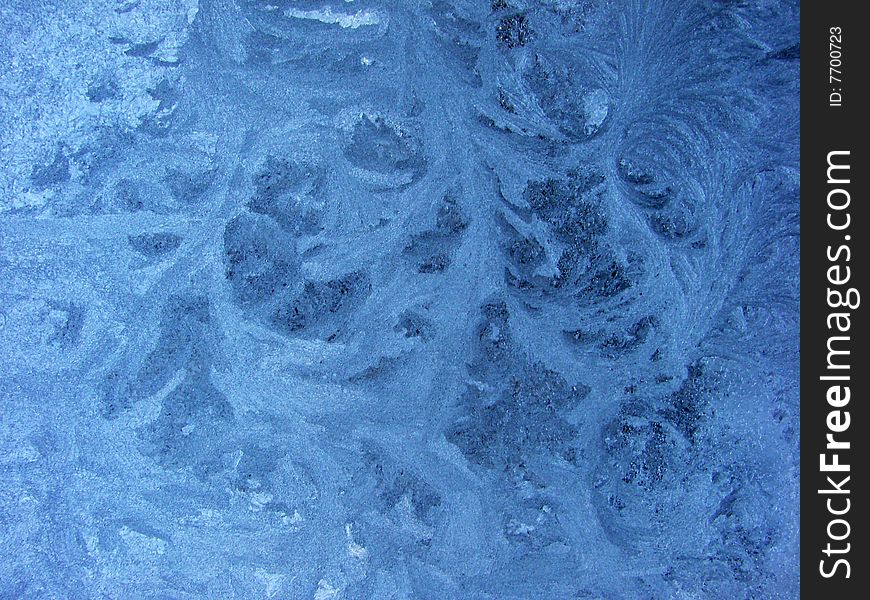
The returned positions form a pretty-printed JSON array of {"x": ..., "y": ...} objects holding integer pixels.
[{"x": 834, "y": 366}]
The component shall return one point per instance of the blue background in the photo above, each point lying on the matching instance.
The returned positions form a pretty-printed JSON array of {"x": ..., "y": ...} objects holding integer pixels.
[{"x": 351, "y": 299}]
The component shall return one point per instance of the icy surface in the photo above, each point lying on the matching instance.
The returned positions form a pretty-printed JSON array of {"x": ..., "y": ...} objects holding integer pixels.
[{"x": 365, "y": 299}]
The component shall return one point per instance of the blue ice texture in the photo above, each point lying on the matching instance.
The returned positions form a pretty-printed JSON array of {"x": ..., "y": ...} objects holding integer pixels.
[{"x": 408, "y": 299}]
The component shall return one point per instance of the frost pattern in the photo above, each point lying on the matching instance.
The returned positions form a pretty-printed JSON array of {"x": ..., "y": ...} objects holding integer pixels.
[{"x": 443, "y": 299}]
